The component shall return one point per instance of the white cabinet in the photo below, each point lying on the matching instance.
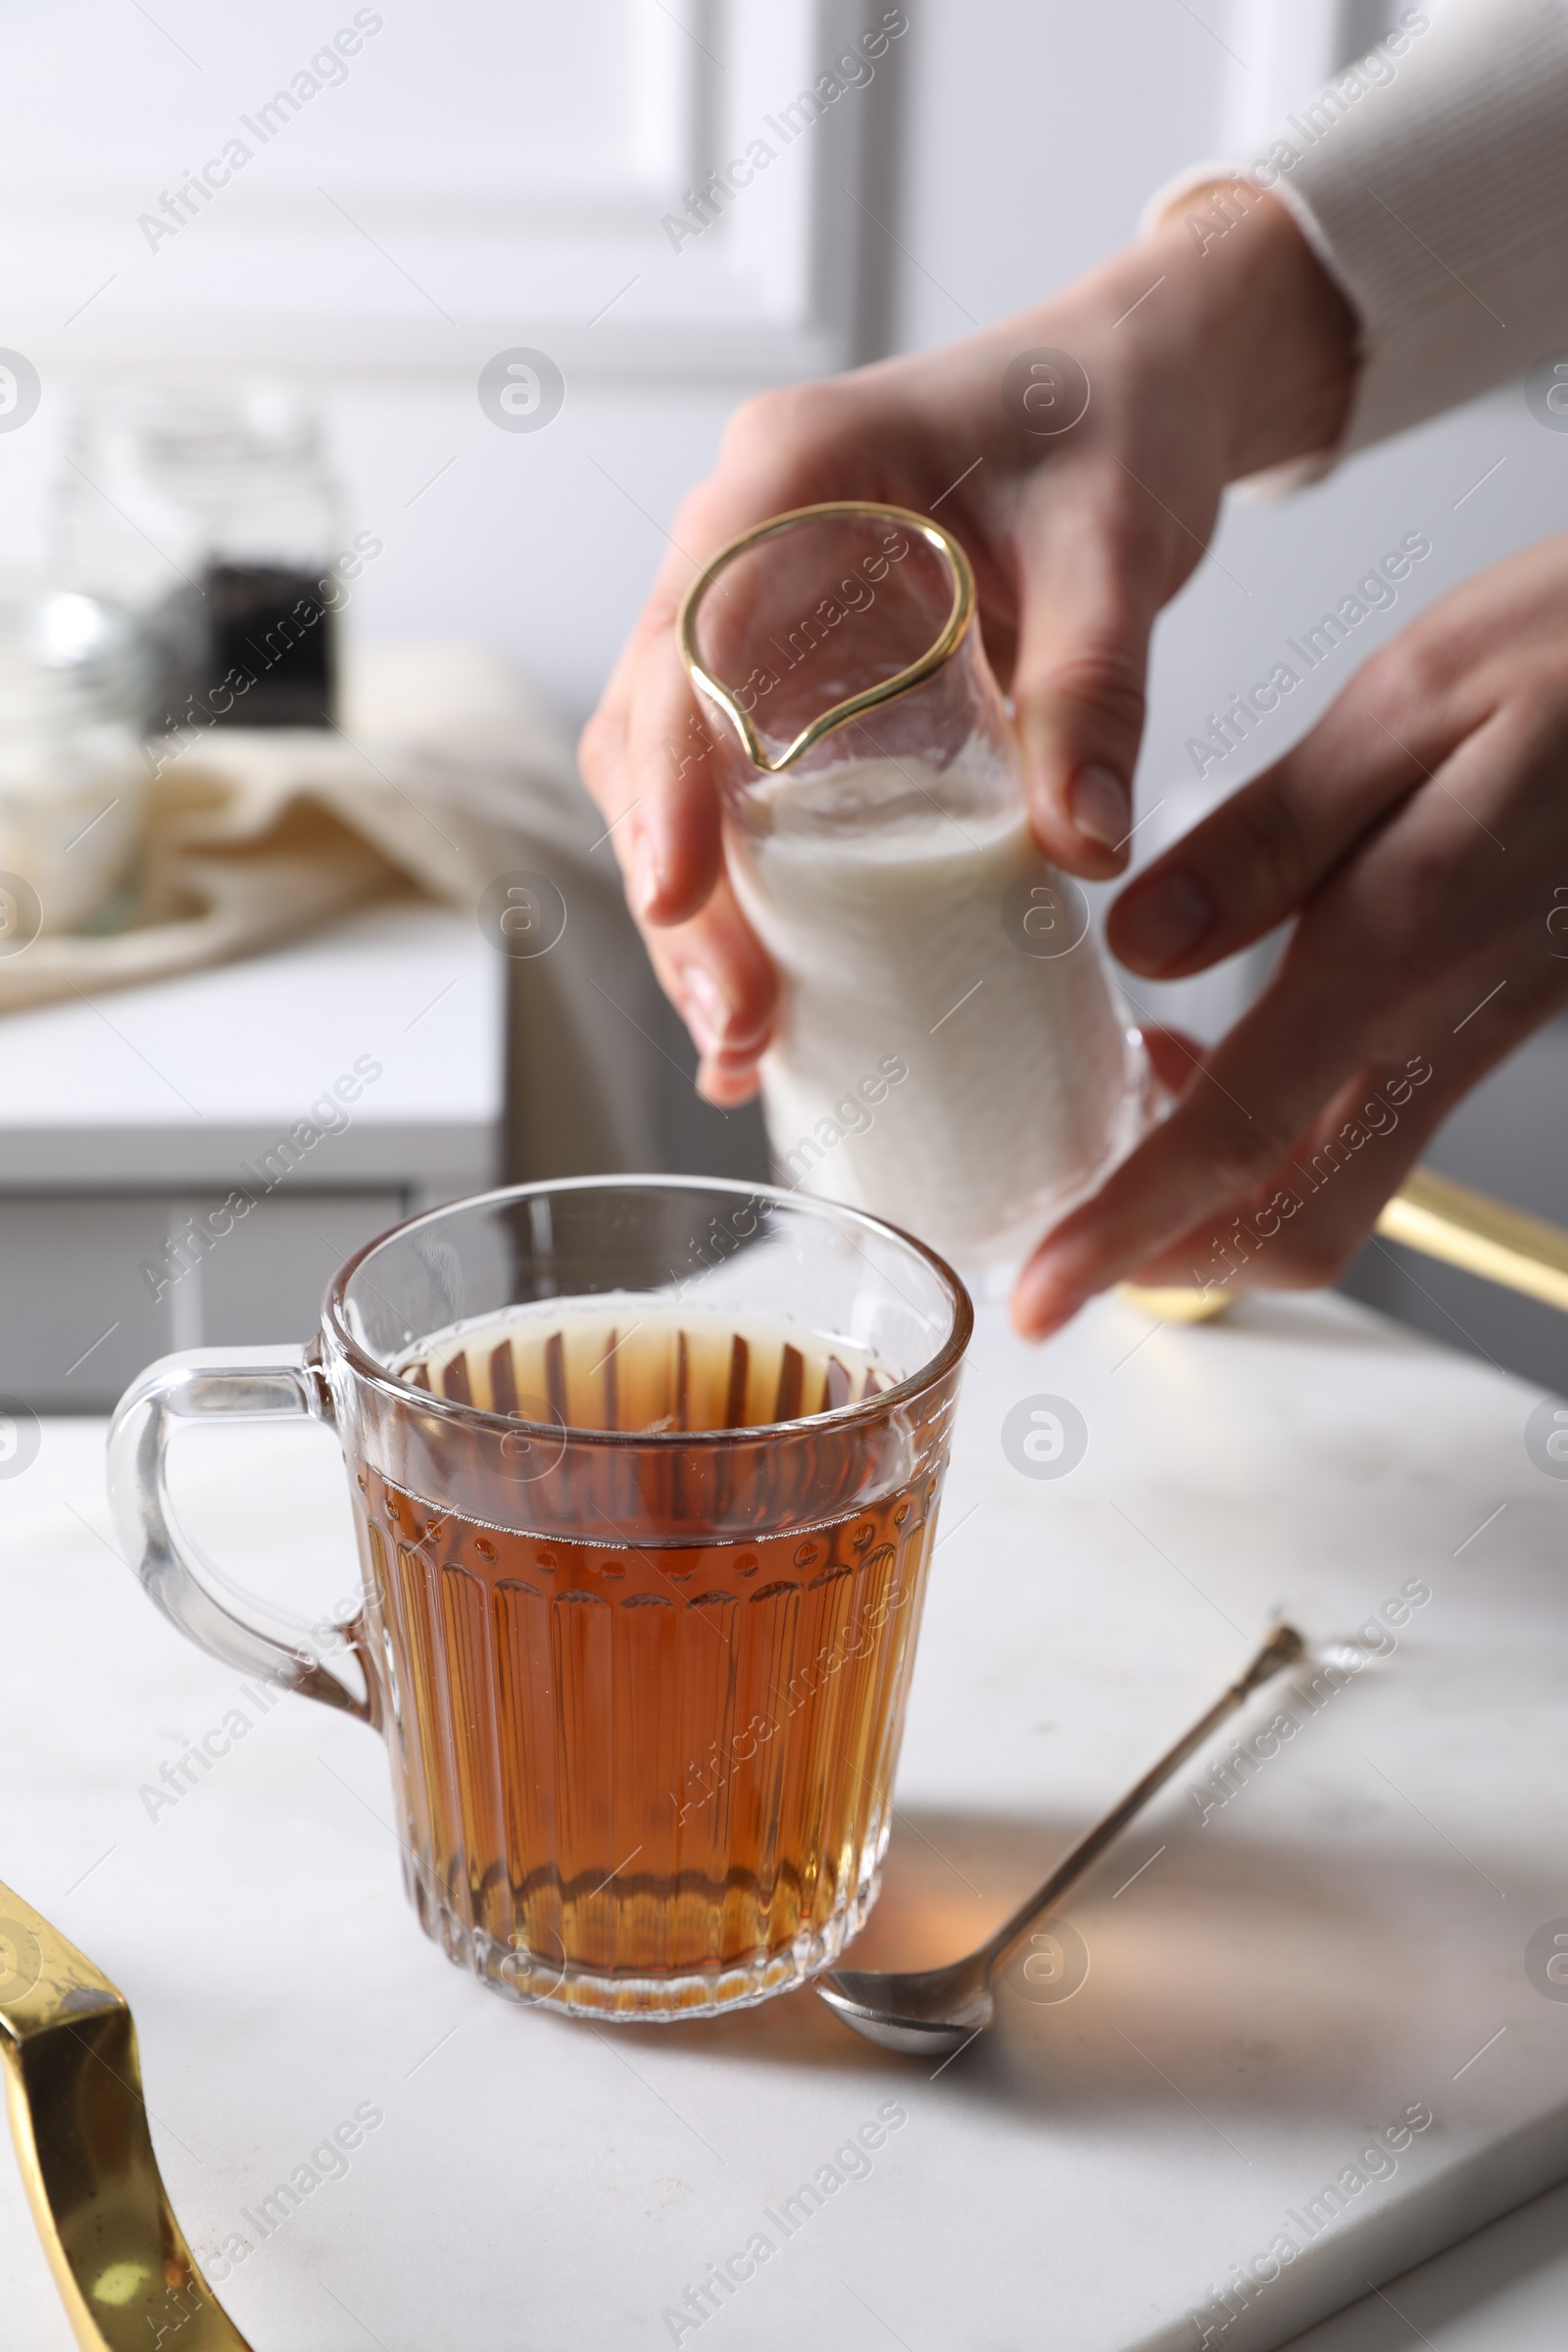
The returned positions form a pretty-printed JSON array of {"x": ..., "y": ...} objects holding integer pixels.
[{"x": 186, "y": 1164}]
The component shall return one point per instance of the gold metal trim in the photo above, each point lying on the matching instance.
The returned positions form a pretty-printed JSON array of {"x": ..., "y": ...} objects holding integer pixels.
[
  {"x": 948, "y": 641},
  {"x": 125, "y": 2274},
  {"x": 1441, "y": 1219},
  {"x": 1176, "y": 1305},
  {"x": 1486, "y": 1236}
]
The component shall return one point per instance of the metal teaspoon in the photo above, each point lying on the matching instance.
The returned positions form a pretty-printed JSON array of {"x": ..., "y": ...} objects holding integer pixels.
[{"x": 939, "y": 2009}]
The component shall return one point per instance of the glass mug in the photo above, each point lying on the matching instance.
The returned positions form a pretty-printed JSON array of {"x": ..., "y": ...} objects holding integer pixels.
[
  {"x": 645, "y": 1476},
  {"x": 950, "y": 1051}
]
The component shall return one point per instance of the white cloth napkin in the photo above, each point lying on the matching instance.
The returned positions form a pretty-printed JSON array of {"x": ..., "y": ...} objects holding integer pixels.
[{"x": 444, "y": 773}]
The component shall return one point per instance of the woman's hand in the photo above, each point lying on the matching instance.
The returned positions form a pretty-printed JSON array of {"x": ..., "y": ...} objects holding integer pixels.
[
  {"x": 1207, "y": 357},
  {"x": 1419, "y": 834}
]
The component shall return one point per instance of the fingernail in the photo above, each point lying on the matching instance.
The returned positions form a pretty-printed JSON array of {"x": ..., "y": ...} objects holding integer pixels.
[
  {"x": 705, "y": 1011},
  {"x": 1034, "y": 1318},
  {"x": 647, "y": 878},
  {"x": 1101, "y": 806},
  {"x": 1159, "y": 921},
  {"x": 719, "y": 1083},
  {"x": 1037, "y": 1307}
]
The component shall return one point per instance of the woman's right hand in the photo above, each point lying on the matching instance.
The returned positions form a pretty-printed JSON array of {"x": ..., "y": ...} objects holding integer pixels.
[{"x": 1207, "y": 356}]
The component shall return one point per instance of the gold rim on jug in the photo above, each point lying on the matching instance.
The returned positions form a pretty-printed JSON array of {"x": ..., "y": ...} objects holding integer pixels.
[{"x": 949, "y": 639}]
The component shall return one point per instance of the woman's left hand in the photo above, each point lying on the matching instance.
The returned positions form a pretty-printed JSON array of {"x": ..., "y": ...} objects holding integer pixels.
[{"x": 1419, "y": 834}]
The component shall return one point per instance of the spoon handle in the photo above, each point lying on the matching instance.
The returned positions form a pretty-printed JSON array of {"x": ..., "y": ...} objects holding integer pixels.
[{"x": 1282, "y": 1648}]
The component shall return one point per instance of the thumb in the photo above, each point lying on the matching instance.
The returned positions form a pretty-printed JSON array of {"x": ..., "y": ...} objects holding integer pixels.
[{"x": 1087, "y": 605}]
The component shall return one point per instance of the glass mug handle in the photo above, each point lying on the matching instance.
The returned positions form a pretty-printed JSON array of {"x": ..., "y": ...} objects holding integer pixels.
[{"x": 241, "y": 1384}]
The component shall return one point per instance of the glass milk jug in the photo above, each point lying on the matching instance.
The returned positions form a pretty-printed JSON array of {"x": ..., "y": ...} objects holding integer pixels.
[{"x": 950, "y": 1052}]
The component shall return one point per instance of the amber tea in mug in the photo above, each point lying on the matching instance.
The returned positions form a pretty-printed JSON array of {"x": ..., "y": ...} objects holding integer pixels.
[{"x": 645, "y": 1476}]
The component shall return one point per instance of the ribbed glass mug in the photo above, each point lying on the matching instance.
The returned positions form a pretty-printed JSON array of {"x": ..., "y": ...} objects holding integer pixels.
[
  {"x": 645, "y": 1477},
  {"x": 950, "y": 1051}
]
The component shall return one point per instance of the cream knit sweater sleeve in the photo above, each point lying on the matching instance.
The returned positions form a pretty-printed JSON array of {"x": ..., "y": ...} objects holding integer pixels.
[{"x": 1430, "y": 178}]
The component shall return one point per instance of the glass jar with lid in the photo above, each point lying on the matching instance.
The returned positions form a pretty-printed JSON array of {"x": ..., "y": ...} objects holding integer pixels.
[
  {"x": 74, "y": 773},
  {"x": 209, "y": 511}
]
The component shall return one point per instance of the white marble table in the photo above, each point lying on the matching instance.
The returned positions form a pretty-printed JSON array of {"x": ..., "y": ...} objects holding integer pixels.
[
  {"x": 1505, "y": 2290},
  {"x": 1343, "y": 1940}
]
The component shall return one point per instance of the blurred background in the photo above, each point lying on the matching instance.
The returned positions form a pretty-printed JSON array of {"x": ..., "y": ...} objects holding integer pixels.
[{"x": 386, "y": 341}]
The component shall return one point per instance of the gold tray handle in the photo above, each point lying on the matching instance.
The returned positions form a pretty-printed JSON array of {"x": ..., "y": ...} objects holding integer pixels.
[
  {"x": 128, "y": 2278},
  {"x": 1441, "y": 1219},
  {"x": 1486, "y": 1236}
]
